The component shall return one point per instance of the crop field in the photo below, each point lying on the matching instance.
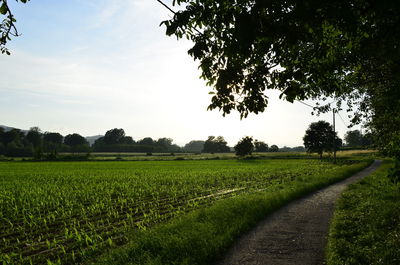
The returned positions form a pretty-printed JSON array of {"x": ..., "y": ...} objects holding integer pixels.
[{"x": 70, "y": 212}]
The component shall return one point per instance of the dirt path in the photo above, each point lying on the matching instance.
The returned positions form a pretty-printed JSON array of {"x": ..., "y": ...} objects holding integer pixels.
[{"x": 295, "y": 234}]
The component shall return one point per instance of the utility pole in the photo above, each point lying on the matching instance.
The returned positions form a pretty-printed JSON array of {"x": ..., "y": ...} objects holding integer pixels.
[{"x": 334, "y": 137}]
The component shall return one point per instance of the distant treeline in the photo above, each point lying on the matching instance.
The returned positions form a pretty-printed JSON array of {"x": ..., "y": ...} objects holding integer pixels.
[
  {"x": 15, "y": 142},
  {"x": 115, "y": 140}
]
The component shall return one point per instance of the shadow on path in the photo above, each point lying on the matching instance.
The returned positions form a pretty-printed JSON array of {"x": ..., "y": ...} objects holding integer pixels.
[{"x": 296, "y": 233}]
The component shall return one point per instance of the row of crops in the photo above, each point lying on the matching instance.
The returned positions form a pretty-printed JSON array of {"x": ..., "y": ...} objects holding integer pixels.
[{"x": 69, "y": 212}]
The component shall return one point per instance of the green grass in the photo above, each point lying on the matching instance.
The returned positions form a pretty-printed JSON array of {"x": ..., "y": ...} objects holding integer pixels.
[
  {"x": 366, "y": 224},
  {"x": 203, "y": 235},
  {"x": 70, "y": 212}
]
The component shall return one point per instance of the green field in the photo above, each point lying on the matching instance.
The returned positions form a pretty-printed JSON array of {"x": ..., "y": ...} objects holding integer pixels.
[{"x": 65, "y": 212}]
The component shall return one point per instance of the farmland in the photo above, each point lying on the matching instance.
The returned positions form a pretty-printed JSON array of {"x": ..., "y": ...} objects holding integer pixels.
[{"x": 69, "y": 212}]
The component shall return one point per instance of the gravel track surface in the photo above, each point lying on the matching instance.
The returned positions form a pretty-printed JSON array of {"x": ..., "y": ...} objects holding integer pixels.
[{"x": 296, "y": 233}]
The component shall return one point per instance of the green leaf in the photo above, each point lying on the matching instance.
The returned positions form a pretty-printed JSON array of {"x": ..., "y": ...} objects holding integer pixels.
[{"x": 3, "y": 9}]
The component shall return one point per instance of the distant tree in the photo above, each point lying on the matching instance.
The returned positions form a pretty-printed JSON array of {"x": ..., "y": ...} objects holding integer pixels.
[
  {"x": 14, "y": 135},
  {"x": 146, "y": 141},
  {"x": 194, "y": 146},
  {"x": 34, "y": 136},
  {"x": 367, "y": 140},
  {"x": 260, "y": 146},
  {"x": 273, "y": 148},
  {"x": 114, "y": 136},
  {"x": 2, "y": 149},
  {"x": 245, "y": 146},
  {"x": 52, "y": 142},
  {"x": 319, "y": 138},
  {"x": 2, "y": 135},
  {"x": 99, "y": 141},
  {"x": 74, "y": 139},
  {"x": 215, "y": 145},
  {"x": 76, "y": 142},
  {"x": 53, "y": 137},
  {"x": 127, "y": 140},
  {"x": 353, "y": 138},
  {"x": 292, "y": 149},
  {"x": 174, "y": 148},
  {"x": 298, "y": 149},
  {"x": 285, "y": 149},
  {"x": 357, "y": 139},
  {"x": 164, "y": 142}
]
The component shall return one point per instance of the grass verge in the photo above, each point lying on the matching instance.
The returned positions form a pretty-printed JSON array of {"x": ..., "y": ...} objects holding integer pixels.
[
  {"x": 366, "y": 224},
  {"x": 200, "y": 237}
]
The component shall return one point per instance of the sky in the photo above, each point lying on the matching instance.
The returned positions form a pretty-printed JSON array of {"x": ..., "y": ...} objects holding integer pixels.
[{"x": 87, "y": 66}]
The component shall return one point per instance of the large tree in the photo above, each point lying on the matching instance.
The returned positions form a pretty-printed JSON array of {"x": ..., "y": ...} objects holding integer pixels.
[
  {"x": 215, "y": 145},
  {"x": 114, "y": 136},
  {"x": 353, "y": 138},
  {"x": 52, "y": 142},
  {"x": 245, "y": 146},
  {"x": 76, "y": 142},
  {"x": 320, "y": 138},
  {"x": 35, "y": 138},
  {"x": 195, "y": 146},
  {"x": 309, "y": 49},
  {"x": 260, "y": 146}
]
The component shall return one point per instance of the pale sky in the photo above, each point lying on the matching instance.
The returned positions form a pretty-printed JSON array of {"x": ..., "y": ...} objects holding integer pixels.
[{"x": 87, "y": 66}]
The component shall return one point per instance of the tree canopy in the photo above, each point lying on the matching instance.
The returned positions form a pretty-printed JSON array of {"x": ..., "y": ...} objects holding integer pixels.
[
  {"x": 260, "y": 146},
  {"x": 195, "y": 146},
  {"x": 274, "y": 148},
  {"x": 245, "y": 146},
  {"x": 320, "y": 138},
  {"x": 75, "y": 139},
  {"x": 309, "y": 49},
  {"x": 356, "y": 139},
  {"x": 215, "y": 145}
]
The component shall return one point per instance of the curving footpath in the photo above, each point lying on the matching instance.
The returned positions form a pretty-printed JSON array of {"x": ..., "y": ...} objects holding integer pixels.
[{"x": 296, "y": 233}]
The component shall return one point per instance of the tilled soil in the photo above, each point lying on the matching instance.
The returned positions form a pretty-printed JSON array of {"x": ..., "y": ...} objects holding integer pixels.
[{"x": 295, "y": 234}]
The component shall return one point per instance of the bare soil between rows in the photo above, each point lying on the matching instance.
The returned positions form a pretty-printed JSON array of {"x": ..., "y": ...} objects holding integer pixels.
[{"x": 296, "y": 233}]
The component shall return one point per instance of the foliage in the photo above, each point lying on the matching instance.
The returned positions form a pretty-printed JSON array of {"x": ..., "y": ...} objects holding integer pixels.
[
  {"x": 73, "y": 211},
  {"x": 366, "y": 225},
  {"x": 310, "y": 49},
  {"x": 245, "y": 146},
  {"x": 54, "y": 138},
  {"x": 215, "y": 145},
  {"x": 76, "y": 143},
  {"x": 115, "y": 140},
  {"x": 34, "y": 137},
  {"x": 74, "y": 140},
  {"x": 292, "y": 149},
  {"x": 356, "y": 139},
  {"x": 260, "y": 146},
  {"x": 195, "y": 146},
  {"x": 7, "y": 26},
  {"x": 274, "y": 148},
  {"x": 52, "y": 143},
  {"x": 114, "y": 136},
  {"x": 320, "y": 138}
]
